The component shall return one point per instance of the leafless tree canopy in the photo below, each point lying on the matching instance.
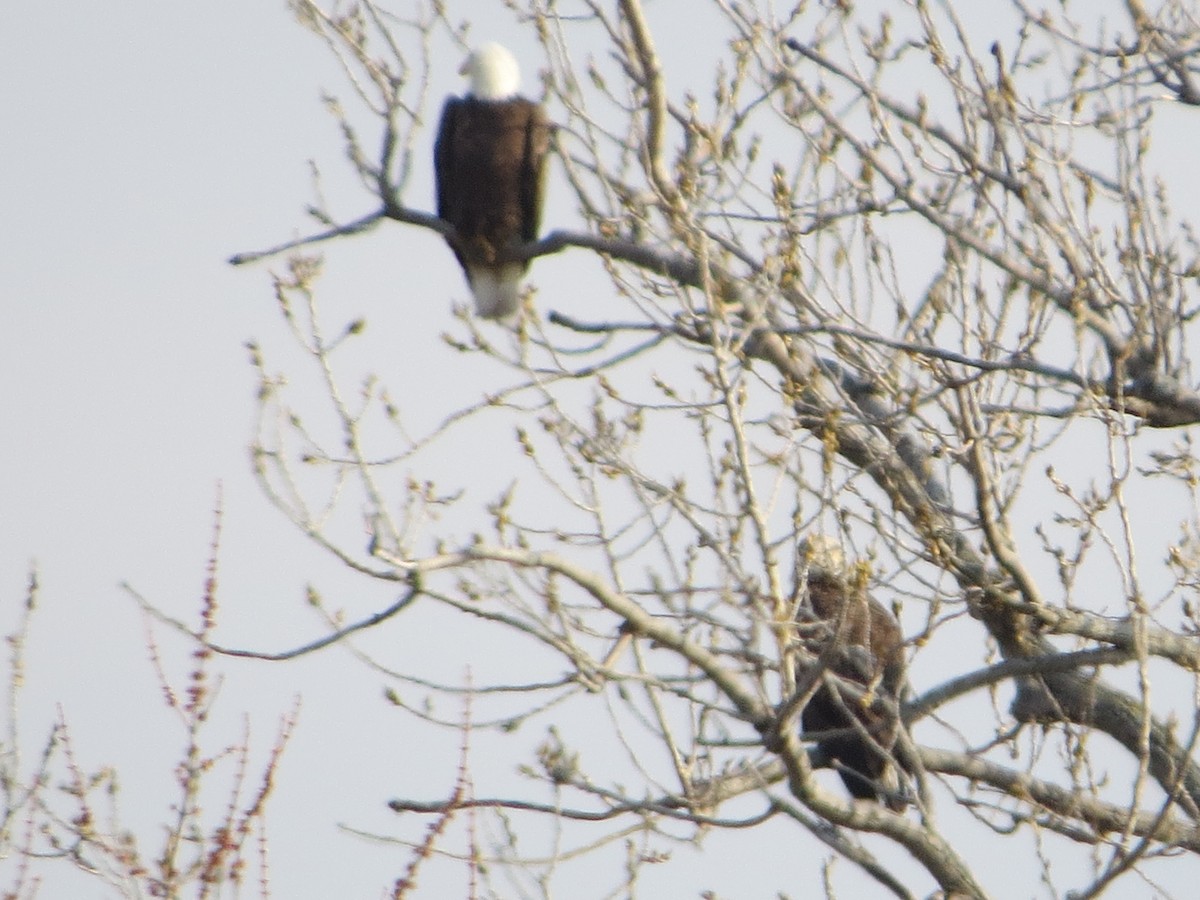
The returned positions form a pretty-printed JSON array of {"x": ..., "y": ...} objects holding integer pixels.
[
  {"x": 898, "y": 278},
  {"x": 910, "y": 280}
]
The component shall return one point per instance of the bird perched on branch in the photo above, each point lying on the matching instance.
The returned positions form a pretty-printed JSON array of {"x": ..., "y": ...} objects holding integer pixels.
[
  {"x": 862, "y": 644},
  {"x": 490, "y": 162}
]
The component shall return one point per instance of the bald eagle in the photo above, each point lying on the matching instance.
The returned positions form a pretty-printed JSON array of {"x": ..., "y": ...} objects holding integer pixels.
[
  {"x": 863, "y": 645},
  {"x": 490, "y": 161}
]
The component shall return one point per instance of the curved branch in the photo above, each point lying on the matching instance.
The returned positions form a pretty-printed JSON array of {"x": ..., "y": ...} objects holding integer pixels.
[
  {"x": 1068, "y": 803},
  {"x": 626, "y": 807},
  {"x": 1183, "y": 650},
  {"x": 334, "y": 637},
  {"x": 359, "y": 225},
  {"x": 1063, "y": 802},
  {"x": 650, "y": 77},
  {"x": 925, "y": 844},
  {"x": 638, "y": 620},
  {"x": 1008, "y": 669}
]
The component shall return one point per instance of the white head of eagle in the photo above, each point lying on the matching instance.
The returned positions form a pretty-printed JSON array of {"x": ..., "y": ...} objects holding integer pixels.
[
  {"x": 490, "y": 162},
  {"x": 492, "y": 72}
]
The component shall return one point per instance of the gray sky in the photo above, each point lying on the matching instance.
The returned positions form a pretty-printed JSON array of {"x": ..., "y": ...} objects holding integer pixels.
[{"x": 143, "y": 144}]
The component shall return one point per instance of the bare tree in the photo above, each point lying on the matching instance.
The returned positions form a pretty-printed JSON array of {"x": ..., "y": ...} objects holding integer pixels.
[
  {"x": 58, "y": 813},
  {"x": 908, "y": 280}
]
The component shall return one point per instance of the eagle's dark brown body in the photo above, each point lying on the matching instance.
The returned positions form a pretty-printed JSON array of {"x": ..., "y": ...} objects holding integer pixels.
[
  {"x": 489, "y": 161},
  {"x": 868, "y": 651}
]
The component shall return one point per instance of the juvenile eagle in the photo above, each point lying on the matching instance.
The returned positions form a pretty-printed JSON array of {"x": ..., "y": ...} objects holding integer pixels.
[
  {"x": 863, "y": 644},
  {"x": 489, "y": 163}
]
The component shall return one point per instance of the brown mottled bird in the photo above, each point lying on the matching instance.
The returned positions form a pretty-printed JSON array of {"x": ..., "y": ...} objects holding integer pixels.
[{"x": 863, "y": 644}]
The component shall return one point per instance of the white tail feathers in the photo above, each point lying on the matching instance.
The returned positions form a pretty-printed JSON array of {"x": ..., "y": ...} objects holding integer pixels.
[{"x": 497, "y": 291}]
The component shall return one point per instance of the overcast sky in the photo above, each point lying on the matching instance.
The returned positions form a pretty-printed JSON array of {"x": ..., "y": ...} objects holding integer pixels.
[{"x": 144, "y": 143}]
